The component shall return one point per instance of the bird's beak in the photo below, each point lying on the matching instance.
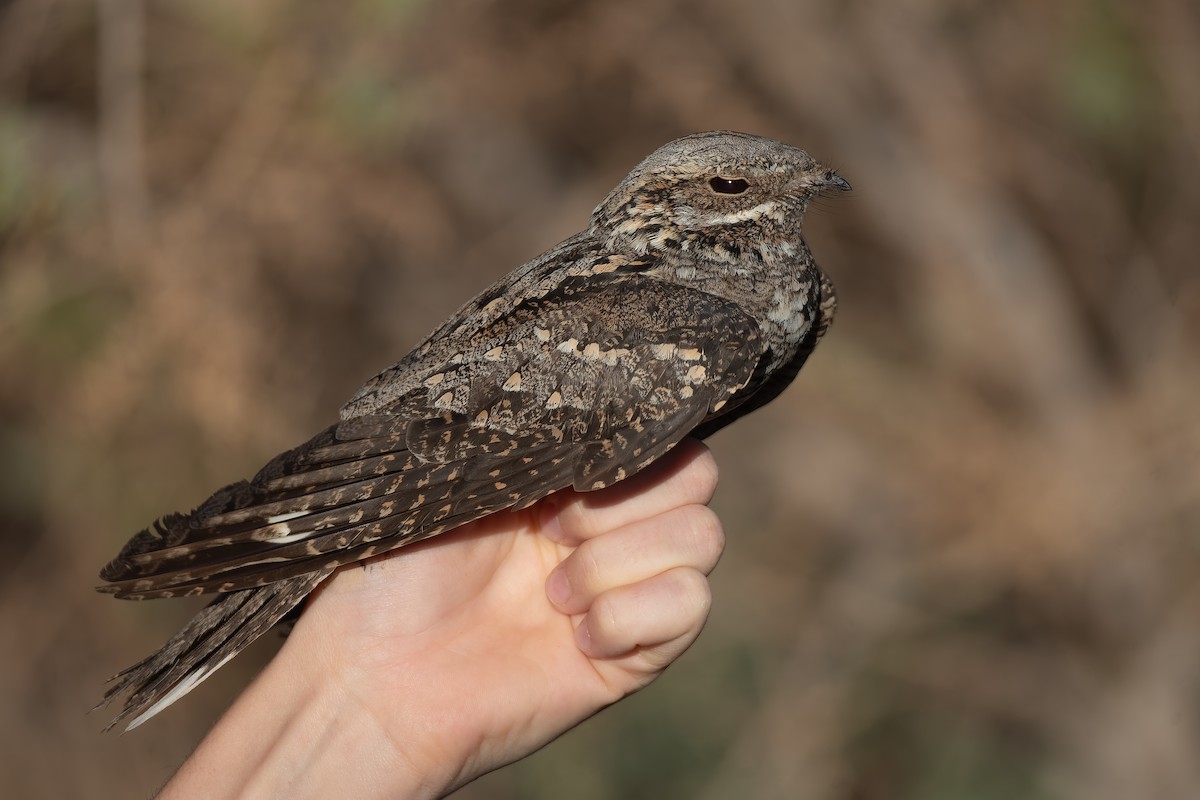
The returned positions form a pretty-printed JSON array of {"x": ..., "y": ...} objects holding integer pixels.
[{"x": 837, "y": 181}]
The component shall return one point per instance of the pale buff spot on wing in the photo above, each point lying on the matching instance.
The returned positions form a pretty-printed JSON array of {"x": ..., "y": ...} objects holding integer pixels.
[
  {"x": 690, "y": 354},
  {"x": 696, "y": 373},
  {"x": 613, "y": 356},
  {"x": 513, "y": 383},
  {"x": 495, "y": 354},
  {"x": 663, "y": 351}
]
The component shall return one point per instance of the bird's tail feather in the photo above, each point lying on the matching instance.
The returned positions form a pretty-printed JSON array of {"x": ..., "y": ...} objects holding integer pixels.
[{"x": 215, "y": 635}]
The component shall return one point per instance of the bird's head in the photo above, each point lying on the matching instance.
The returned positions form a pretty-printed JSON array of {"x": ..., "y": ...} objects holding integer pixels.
[{"x": 715, "y": 195}]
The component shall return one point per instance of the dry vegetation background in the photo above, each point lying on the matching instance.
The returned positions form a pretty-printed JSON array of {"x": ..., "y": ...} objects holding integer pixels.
[{"x": 964, "y": 550}]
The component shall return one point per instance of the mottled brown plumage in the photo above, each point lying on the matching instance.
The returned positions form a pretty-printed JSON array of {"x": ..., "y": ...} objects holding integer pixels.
[{"x": 689, "y": 301}]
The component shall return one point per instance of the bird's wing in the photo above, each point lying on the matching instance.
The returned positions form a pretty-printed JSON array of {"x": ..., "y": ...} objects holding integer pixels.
[{"x": 581, "y": 387}]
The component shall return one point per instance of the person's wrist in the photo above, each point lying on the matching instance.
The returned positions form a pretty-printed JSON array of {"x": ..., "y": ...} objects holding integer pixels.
[
  {"x": 363, "y": 757},
  {"x": 302, "y": 730}
]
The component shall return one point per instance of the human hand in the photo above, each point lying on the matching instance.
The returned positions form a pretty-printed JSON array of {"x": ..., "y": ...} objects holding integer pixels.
[{"x": 445, "y": 660}]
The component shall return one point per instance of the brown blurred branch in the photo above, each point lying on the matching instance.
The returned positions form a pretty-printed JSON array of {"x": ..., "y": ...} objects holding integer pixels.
[
  {"x": 245, "y": 143},
  {"x": 122, "y": 151},
  {"x": 22, "y": 25}
]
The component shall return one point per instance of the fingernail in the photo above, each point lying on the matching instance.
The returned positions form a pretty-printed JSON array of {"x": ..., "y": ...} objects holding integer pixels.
[
  {"x": 583, "y": 637},
  {"x": 558, "y": 588},
  {"x": 548, "y": 522}
]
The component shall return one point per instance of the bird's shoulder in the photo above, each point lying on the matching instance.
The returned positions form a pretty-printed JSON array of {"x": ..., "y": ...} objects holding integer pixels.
[
  {"x": 597, "y": 350},
  {"x": 575, "y": 274}
]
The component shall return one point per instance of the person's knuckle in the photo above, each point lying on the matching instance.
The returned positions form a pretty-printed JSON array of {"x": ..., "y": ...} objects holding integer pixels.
[
  {"x": 705, "y": 532},
  {"x": 706, "y": 474},
  {"x": 693, "y": 589},
  {"x": 604, "y": 623},
  {"x": 586, "y": 566}
]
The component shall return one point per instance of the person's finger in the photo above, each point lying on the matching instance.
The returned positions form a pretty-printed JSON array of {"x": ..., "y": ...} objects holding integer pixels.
[
  {"x": 685, "y": 476},
  {"x": 658, "y": 617},
  {"x": 688, "y": 536}
]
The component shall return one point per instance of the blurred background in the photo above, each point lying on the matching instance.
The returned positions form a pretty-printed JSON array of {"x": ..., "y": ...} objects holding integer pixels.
[{"x": 963, "y": 549}]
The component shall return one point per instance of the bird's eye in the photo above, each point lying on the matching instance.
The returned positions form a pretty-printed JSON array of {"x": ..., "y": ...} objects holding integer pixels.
[{"x": 729, "y": 185}]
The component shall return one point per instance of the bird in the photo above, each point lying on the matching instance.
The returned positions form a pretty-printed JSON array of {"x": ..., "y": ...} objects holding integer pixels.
[{"x": 690, "y": 300}]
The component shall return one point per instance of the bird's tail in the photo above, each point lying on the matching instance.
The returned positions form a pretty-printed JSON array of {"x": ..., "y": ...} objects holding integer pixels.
[{"x": 215, "y": 635}]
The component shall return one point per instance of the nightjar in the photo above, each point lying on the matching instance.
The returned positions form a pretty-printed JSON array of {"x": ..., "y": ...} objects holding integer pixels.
[{"x": 690, "y": 300}]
